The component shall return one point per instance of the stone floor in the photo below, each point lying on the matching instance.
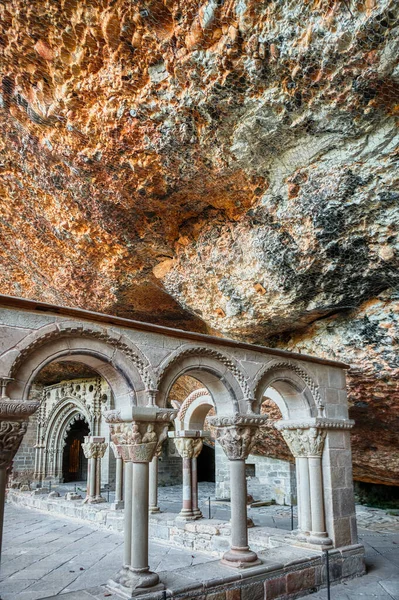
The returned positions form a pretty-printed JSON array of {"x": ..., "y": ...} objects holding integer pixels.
[{"x": 46, "y": 555}]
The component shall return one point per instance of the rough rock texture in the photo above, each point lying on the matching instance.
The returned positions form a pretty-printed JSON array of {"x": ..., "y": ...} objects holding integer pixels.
[{"x": 225, "y": 166}]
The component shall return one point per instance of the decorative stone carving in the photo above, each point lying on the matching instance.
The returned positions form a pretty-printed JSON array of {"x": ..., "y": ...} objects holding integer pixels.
[
  {"x": 11, "y": 434},
  {"x": 11, "y": 410},
  {"x": 305, "y": 442},
  {"x": 95, "y": 449},
  {"x": 140, "y": 362},
  {"x": 184, "y": 406},
  {"x": 237, "y": 434},
  {"x": 319, "y": 422},
  {"x": 306, "y": 378},
  {"x": 14, "y": 416},
  {"x": 139, "y": 440},
  {"x": 227, "y": 361},
  {"x": 188, "y": 447}
]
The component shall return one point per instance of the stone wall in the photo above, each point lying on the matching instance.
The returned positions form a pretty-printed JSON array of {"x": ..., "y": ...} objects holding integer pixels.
[
  {"x": 170, "y": 465},
  {"x": 25, "y": 458},
  {"x": 268, "y": 478}
]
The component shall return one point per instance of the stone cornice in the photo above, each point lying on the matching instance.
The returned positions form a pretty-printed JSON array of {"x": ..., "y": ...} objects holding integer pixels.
[
  {"x": 15, "y": 410},
  {"x": 318, "y": 423},
  {"x": 140, "y": 413},
  {"x": 253, "y": 420}
]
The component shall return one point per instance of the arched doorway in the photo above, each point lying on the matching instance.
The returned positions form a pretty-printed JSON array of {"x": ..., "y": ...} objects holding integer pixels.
[{"x": 74, "y": 463}]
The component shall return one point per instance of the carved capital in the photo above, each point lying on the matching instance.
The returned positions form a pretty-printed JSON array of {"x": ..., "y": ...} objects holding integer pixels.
[
  {"x": 138, "y": 441},
  {"x": 94, "y": 447},
  {"x": 305, "y": 442},
  {"x": 237, "y": 434},
  {"x": 237, "y": 442},
  {"x": 17, "y": 410},
  {"x": 11, "y": 434},
  {"x": 188, "y": 447}
]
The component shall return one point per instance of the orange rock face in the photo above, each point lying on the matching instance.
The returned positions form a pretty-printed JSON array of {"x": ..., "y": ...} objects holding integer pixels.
[{"x": 222, "y": 166}]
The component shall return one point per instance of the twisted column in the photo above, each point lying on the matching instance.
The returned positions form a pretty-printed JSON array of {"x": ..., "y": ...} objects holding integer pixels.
[
  {"x": 306, "y": 444},
  {"x": 94, "y": 448},
  {"x": 137, "y": 443},
  {"x": 237, "y": 436},
  {"x": 14, "y": 415}
]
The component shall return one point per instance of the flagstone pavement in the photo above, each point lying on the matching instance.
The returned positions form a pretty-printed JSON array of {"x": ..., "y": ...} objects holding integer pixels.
[{"x": 46, "y": 555}]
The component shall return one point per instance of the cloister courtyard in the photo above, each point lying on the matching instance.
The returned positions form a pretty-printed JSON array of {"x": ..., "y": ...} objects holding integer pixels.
[{"x": 75, "y": 557}]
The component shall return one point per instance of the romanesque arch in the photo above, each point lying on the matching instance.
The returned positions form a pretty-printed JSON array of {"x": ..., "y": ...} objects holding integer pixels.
[
  {"x": 194, "y": 409},
  {"x": 125, "y": 368},
  {"x": 290, "y": 387},
  {"x": 222, "y": 376}
]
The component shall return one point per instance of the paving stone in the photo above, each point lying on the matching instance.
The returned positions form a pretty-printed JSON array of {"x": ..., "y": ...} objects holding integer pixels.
[{"x": 43, "y": 556}]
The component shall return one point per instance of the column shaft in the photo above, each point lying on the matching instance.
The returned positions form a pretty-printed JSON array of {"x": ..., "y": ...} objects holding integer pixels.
[
  {"x": 187, "y": 510},
  {"x": 318, "y": 534},
  {"x": 194, "y": 489},
  {"x": 3, "y": 482},
  {"x": 239, "y": 555},
  {"x": 238, "y": 482},
  {"x": 154, "y": 508},
  {"x": 98, "y": 478},
  {"x": 139, "y": 556},
  {"x": 91, "y": 474},
  {"x": 304, "y": 500},
  {"x": 118, "y": 480},
  {"x": 128, "y": 493}
]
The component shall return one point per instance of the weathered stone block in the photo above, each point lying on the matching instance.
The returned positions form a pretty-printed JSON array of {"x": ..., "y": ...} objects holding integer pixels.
[
  {"x": 274, "y": 588},
  {"x": 233, "y": 594},
  {"x": 217, "y": 596},
  {"x": 253, "y": 592},
  {"x": 301, "y": 580},
  {"x": 352, "y": 566}
]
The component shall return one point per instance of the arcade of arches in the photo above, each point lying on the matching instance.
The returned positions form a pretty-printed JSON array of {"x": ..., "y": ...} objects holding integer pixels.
[{"x": 136, "y": 392}]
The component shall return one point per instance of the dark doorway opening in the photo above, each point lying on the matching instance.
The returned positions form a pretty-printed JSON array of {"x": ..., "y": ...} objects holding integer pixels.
[
  {"x": 74, "y": 463},
  {"x": 206, "y": 464}
]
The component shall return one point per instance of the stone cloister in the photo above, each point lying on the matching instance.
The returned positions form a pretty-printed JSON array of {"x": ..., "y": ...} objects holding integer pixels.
[{"x": 140, "y": 363}]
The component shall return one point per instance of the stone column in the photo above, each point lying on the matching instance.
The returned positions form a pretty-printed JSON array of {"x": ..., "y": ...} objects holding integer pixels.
[
  {"x": 118, "y": 503},
  {"x": 128, "y": 494},
  {"x": 153, "y": 497},
  {"x": 137, "y": 442},
  {"x": 194, "y": 488},
  {"x": 236, "y": 435},
  {"x": 94, "y": 449},
  {"x": 14, "y": 415},
  {"x": 189, "y": 447},
  {"x": 306, "y": 444}
]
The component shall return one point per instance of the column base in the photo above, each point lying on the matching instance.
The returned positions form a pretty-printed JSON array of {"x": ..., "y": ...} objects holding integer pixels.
[
  {"x": 302, "y": 536},
  {"x": 94, "y": 500},
  {"x": 197, "y": 514},
  {"x": 118, "y": 505},
  {"x": 319, "y": 538},
  {"x": 240, "y": 558},
  {"x": 309, "y": 541},
  {"x": 186, "y": 515},
  {"x": 154, "y": 509},
  {"x": 131, "y": 583}
]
